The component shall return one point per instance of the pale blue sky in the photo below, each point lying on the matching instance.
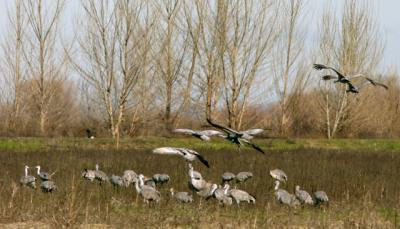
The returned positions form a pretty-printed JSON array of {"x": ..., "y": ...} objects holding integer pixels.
[{"x": 387, "y": 12}]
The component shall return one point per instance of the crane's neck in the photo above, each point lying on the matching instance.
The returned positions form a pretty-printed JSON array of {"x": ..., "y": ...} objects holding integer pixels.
[
  {"x": 141, "y": 182},
  {"x": 26, "y": 171},
  {"x": 226, "y": 189},
  {"x": 38, "y": 170},
  {"x": 137, "y": 186},
  {"x": 276, "y": 185},
  {"x": 97, "y": 167},
  {"x": 191, "y": 172}
]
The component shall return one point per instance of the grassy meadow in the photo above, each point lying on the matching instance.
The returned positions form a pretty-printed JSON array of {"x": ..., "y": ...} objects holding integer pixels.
[{"x": 359, "y": 176}]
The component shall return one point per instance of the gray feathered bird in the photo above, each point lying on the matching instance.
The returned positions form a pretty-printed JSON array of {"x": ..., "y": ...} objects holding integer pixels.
[
  {"x": 129, "y": 177},
  {"x": 182, "y": 197},
  {"x": 221, "y": 195},
  {"x": 284, "y": 197},
  {"x": 48, "y": 186},
  {"x": 148, "y": 193},
  {"x": 238, "y": 137},
  {"x": 43, "y": 175},
  {"x": 187, "y": 154},
  {"x": 239, "y": 195},
  {"x": 341, "y": 78},
  {"x": 100, "y": 175},
  {"x": 303, "y": 196},
  {"x": 320, "y": 198},
  {"x": 227, "y": 177},
  {"x": 161, "y": 178},
  {"x": 243, "y": 176},
  {"x": 279, "y": 175},
  {"x": 28, "y": 180},
  {"x": 89, "y": 174},
  {"x": 116, "y": 181},
  {"x": 201, "y": 134}
]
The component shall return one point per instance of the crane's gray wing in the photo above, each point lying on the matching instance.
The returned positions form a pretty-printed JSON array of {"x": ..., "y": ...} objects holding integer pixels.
[
  {"x": 184, "y": 131},
  {"x": 329, "y": 77},
  {"x": 201, "y": 158},
  {"x": 223, "y": 128},
  {"x": 167, "y": 151},
  {"x": 373, "y": 82},
  {"x": 321, "y": 66},
  {"x": 210, "y": 132},
  {"x": 252, "y": 131},
  {"x": 253, "y": 145}
]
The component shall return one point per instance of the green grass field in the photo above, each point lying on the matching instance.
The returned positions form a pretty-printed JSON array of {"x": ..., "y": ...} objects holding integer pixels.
[{"x": 360, "y": 177}]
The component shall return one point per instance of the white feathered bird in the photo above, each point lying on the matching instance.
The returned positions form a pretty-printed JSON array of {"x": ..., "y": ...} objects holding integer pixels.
[
  {"x": 187, "y": 154},
  {"x": 201, "y": 134}
]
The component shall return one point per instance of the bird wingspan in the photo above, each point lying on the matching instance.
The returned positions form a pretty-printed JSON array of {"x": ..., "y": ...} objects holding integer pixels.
[
  {"x": 203, "y": 160},
  {"x": 321, "y": 66},
  {"x": 225, "y": 129},
  {"x": 253, "y": 145},
  {"x": 166, "y": 150},
  {"x": 252, "y": 131},
  {"x": 373, "y": 82},
  {"x": 210, "y": 132},
  {"x": 184, "y": 131}
]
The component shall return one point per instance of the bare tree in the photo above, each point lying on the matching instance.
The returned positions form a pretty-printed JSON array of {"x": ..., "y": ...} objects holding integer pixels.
[
  {"x": 114, "y": 50},
  {"x": 175, "y": 60},
  {"x": 205, "y": 29},
  {"x": 249, "y": 34},
  {"x": 13, "y": 61},
  {"x": 288, "y": 69},
  {"x": 46, "y": 66},
  {"x": 353, "y": 47}
]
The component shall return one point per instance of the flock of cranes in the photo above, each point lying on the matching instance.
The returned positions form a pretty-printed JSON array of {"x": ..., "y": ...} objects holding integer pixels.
[
  {"x": 348, "y": 80},
  {"x": 147, "y": 187},
  {"x": 47, "y": 184}
]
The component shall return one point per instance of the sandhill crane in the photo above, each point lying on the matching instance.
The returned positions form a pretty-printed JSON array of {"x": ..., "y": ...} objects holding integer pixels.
[
  {"x": 48, "y": 186},
  {"x": 249, "y": 134},
  {"x": 207, "y": 190},
  {"x": 243, "y": 176},
  {"x": 116, "y": 180},
  {"x": 278, "y": 174},
  {"x": 341, "y": 78},
  {"x": 147, "y": 192},
  {"x": 303, "y": 196},
  {"x": 227, "y": 176},
  {"x": 237, "y": 137},
  {"x": 28, "y": 180},
  {"x": 221, "y": 196},
  {"x": 43, "y": 175},
  {"x": 161, "y": 178},
  {"x": 129, "y": 177},
  {"x": 320, "y": 197},
  {"x": 284, "y": 197},
  {"x": 187, "y": 154},
  {"x": 183, "y": 197},
  {"x": 196, "y": 181},
  {"x": 202, "y": 134},
  {"x": 89, "y": 174},
  {"x": 239, "y": 195},
  {"x": 193, "y": 173},
  {"x": 100, "y": 175}
]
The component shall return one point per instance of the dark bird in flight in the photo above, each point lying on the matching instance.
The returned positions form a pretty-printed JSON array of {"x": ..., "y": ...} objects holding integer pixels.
[
  {"x": 351, "y": 87},
  {"x": 237, "y": 137}
]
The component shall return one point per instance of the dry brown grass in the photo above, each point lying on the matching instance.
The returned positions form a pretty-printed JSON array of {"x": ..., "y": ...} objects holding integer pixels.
[{"x": 363, "y": 187}]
